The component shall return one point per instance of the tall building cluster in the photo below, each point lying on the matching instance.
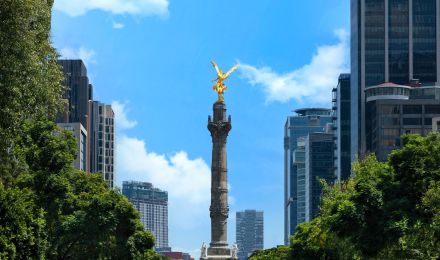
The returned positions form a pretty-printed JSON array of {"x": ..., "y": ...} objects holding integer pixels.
[
  {"x": 393, "y": 89},
  {"x": 91, "y": 122}
]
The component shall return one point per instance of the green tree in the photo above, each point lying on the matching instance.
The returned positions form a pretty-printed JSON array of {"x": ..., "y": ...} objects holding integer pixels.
[
  {"x": 386, "y": 210},
  {"x": 30, "y": 78},
  {"x": 22, "y": 226}
]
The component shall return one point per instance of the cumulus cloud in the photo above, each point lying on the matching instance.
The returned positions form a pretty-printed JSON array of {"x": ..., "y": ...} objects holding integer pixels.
[
  {"x": 86, "y": 55},
  {"x": 186, "y": 180},
  {"x": 118, "y": 25},
  {"x": 312, "y": 83},
  {"x": 134, "y": 7},
  {"x": 122, "y": 121}
]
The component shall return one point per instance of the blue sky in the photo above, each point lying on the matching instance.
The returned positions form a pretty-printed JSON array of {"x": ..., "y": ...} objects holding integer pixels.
[{"x": 151, "y": 60}]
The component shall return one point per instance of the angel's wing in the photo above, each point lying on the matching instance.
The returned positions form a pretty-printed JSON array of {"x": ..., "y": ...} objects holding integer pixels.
[
  {"x": 216, "y": 68},
  {"x": 231, "y": 70}
]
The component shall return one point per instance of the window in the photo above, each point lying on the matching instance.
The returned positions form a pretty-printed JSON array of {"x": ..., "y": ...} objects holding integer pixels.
[
  {"x": 412, "y": 121},
  {"x": 412, "y": 109}
]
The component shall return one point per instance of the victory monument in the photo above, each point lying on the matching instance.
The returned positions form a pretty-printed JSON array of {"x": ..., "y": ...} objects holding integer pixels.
[{"x": 219, "y": 127}]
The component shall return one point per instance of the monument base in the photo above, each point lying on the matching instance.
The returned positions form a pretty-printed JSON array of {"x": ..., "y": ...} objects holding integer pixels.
[{"x": 219, "y": 253}]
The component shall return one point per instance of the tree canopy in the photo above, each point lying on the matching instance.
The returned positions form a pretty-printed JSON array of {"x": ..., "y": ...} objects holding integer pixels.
[
  {"x": 49, "y": 210},
  {"x": 386, "y": 210}
]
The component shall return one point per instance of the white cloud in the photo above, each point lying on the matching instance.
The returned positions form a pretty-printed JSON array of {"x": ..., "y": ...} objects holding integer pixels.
[
  {"x": 135, "y": 7},
  {"x": 312, "y": 83},
  {"x": 122, "y": 121},
  {"x": 186, "y": 180},
  {"x": 86, "y": 55},
  {"x": 118, "y": 25}
]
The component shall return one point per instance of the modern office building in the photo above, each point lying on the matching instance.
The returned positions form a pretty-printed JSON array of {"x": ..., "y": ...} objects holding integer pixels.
[
  {"x": 307, "y": 120},
  {"x": 102, "y": 141},
  {"x": 249, "y": 232},
  {"x": 341, "y": 122},
  {"x": 319, "y": 151},
  {"x": 394, "y": 110},
  {"x": 80, "y": 134},
  {"x": 299, "y": 157},
  {"x": 391, "y": 41},
  {"x": 152, "y": 204},
  {"x": 78, "y": 93}
]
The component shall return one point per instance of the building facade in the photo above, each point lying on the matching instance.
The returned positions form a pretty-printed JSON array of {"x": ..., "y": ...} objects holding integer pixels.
[
  {"x": 152, "y": 204},
  {"x": 78, "y": 93},
  {"x": 341, "y": 122},
  {"x": 102, "y": 141},
  {"x": 80, "y": 134},
  {"x": 249, "y": 232},
  {"x": 306, "y": 121},
  {"x": 319, "y": 151},
  {"x": 391, "y": 41},
  {"x": 394, "y": 110}
]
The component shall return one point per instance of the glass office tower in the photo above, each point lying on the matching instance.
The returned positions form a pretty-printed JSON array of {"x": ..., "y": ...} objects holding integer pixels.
[
  {"x": 391, "y": 41},
  {"x": 341, "y": 101},
  {"x": 307, "y": 120}
]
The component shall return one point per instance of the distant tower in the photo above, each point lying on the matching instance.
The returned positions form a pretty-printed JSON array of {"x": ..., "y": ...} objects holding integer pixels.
[
  {"x": 152, "y": 204},
  {"x": 219, "y": 128},
  {"x": 249, "y": 232}
]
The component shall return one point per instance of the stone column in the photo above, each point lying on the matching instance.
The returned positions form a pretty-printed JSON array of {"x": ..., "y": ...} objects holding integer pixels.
[{"x": 219, "y": 128}]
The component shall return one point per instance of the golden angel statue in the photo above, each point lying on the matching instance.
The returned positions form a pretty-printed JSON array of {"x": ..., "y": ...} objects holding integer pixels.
[{"x": 219, "y": 86}]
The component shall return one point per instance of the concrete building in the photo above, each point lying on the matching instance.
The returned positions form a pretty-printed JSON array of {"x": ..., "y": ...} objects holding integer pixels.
[
  {"x": 249, "y": 232},
  {"x": 307, "y": 120},
  {"x": 102, "y": 141},
  {"x": 341, "y": 122},
  {"x": 152, "y": 204},
  {"x": 394, "y": 110},
  {"x": 319, "y": 151},
  {"x": 80, "y": 134},
  {"x": 391, "y": 41}
]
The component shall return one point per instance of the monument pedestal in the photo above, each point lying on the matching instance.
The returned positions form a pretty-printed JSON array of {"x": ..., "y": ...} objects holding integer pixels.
[{"x": 219, "y": 253}]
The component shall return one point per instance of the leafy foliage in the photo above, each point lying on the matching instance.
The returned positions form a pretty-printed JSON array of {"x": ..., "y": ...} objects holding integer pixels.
[
  {"x": 387, "y": 210},
  {"x": 47, "y": 208},
  {"x": 277, "y": 253}
]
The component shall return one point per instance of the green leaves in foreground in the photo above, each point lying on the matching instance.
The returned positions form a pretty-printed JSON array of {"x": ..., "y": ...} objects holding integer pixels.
[{"x": 386, "y": 210}]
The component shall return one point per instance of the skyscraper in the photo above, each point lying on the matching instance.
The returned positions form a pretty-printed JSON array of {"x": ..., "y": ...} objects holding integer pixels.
[
  {"x": 78, "y": 93},
  {"x": 249, "y": 232},
  {"x": 307, "y": 120},
  {"x": 102, "y": 140},
  {"x": 391, "y": 41},
  {"x": 152, "y": 204},
  {"x": 341, "y": 122},
  {"x": 394, "y": 110},
  {"x": 318, "y": 166}
]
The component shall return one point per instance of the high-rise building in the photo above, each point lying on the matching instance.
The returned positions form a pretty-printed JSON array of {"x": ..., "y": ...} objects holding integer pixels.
[
  {"x": 299, "y": 159},
  {"x": 394, "y": 110},
  {"x": 102, "y": 140},
  {"x": 307, "y": 120},
  {"x": 249, "y": 232},
  {"x": 319, "y": 151},
  {"x": 152, "y": 204},
  {"x": 391, "y": 41},
  {"x": 341, "y": 122},
  {"x": 80, "y": 134},
  {"x": 78, "y": 93}
]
